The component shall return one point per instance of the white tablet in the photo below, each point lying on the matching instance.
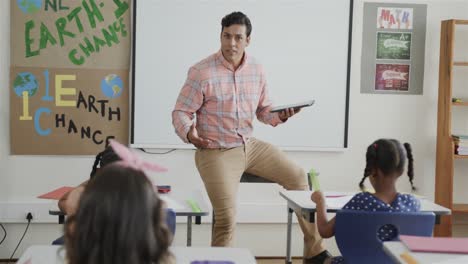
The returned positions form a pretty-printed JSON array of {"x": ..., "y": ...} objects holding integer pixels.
[{"x": 295, "y": 106}]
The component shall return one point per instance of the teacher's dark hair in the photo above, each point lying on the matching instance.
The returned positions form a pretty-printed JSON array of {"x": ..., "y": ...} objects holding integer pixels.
[{"x": 237, "y": 18}]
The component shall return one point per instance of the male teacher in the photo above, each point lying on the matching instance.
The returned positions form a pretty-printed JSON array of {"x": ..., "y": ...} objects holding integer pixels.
[{"x": 226, "y": 90}]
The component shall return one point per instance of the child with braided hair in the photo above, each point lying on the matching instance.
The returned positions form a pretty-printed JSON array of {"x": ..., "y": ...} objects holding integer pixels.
[
  {"x": 385, "y": 163},
  {"x": 68, "y": 203},
  {"x": 120, "y": 219}
]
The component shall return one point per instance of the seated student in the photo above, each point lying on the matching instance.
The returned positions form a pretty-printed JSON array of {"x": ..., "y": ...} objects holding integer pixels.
[
  {"x": 68, "y": 203},
  {"x": 385, "y": 162},
  {"x": 120, "y": 218}
]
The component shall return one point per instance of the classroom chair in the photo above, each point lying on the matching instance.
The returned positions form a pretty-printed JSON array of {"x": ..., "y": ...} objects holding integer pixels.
[
  {"x": 170, "y": 221},
  {"x": 356, "y": 232},
  {"x": 245, "y": 178}
]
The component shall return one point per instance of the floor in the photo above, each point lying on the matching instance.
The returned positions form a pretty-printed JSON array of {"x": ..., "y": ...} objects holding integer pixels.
[
  {"x": 277, "y": 261},
  {"x": 259, "y": 261}
]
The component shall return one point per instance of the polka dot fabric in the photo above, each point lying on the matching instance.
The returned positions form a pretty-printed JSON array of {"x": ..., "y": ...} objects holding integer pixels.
[{"x": 367, "y": 202}]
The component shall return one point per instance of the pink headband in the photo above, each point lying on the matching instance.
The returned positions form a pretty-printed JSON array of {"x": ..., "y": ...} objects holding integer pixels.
[{"x": 132, "y": 160}]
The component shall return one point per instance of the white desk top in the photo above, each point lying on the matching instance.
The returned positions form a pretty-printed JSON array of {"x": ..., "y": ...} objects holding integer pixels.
[
  {"x": 237, "y": 255},
  {"x": 175, "y": 199},
  {"x": 396, "y": 248},
  {"x": 300, "y": 200},
  {"x": 41, "y": 254}
]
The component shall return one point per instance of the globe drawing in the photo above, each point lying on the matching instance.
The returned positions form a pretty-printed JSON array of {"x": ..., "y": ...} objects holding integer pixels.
[
  {"x": 29, "y": 6},
  {"x": 25, "y": 81},
  {"x": 112, "y": 86}
]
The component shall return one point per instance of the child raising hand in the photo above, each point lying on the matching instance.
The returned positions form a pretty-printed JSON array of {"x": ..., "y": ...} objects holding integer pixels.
[{"x": 385, "y": 163}]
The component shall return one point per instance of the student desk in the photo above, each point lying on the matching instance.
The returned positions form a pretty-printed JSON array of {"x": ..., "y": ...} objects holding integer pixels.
[
  {"x": 186, "y": 255},
  {"x": 41, "y": 254},
  {"x": 300, "y": 202},
  {"x": 396, "y": 248},
  {"x": 177, "y": 201}
]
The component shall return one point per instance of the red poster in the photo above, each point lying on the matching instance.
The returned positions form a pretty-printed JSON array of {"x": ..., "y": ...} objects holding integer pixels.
[{"x": 392, "y": 77}]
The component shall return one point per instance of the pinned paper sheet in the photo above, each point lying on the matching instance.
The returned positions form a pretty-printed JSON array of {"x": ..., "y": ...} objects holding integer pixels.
[{"x": 56, "y": 194}]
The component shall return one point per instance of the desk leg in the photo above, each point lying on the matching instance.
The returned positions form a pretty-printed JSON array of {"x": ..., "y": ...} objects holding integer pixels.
[
  {"x": 437, "y": 219},
  {"x": 288, "y": 238},
  {"x": 189, "y": 231},
  {"x": 61, "y": 219}
]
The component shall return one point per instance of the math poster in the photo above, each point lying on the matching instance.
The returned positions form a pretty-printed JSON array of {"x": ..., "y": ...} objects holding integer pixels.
[
  {"x": 69, "y": 84},
  {"x": 395, "y": 18},
  {"x": 392, "y": 77},
  {"x": 393, "y": 46}
]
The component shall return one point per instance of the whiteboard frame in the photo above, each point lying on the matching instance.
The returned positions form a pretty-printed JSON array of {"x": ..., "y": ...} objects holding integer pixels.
[
  {"x": 191, "y": 147},
  {"x": 286, "y": 148}
]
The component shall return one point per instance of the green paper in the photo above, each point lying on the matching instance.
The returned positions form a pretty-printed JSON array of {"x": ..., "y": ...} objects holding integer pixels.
[
  {"x": 194, "y": 205},
  {"x": 314, "y": 180}
]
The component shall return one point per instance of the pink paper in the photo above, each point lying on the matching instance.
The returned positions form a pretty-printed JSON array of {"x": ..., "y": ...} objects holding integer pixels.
[
  {"x": 436, "y": 244},
  {"x": 56, "y": 194}
]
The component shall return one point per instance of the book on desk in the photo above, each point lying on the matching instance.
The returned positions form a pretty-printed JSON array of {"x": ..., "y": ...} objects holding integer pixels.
[{"x": 436, "y": 244}]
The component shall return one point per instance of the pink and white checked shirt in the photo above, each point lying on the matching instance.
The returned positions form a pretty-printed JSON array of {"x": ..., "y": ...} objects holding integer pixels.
[{"x": 225, "y": 101}]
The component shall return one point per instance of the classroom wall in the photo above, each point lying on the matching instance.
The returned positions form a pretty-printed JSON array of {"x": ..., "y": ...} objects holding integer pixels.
[{"x": 410, "y": 118}]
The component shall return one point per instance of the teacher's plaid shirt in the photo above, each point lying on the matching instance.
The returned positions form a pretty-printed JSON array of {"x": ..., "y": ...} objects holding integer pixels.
[{"x": 225, "y": 101}]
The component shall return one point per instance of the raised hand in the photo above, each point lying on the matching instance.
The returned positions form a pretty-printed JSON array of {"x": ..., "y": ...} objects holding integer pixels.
[
  {"x": 72, "y": 201},
  {"x": 318, "y": 198}
]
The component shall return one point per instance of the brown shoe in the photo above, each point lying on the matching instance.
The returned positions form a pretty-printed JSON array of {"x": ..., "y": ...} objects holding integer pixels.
[{"x": 318, "y": 259}]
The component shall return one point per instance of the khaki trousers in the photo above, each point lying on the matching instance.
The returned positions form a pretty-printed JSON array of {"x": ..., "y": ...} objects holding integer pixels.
[{"x": 221, "y": 170}]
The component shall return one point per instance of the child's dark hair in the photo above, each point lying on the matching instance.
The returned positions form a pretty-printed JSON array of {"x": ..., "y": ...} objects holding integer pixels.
[
  {"x": 120, "y": 220},
  {"x": 103, "y": 158},
  {"x": 237, "y": 18},
  {"x": 389, "y": 156}
]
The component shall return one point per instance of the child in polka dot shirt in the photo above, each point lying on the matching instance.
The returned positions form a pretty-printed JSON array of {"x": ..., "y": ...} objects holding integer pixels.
[{"x": 385, "y": 162}]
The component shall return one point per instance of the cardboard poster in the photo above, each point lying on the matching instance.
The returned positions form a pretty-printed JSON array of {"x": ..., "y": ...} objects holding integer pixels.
[
  {"x": 70, "y": 34},
  {"x": 69, "y": 87},
  {"x": 392, "y": 77},
  {"x": 393, "y": 46},
  {"x": 395, "y": 18},
  {"x": 67, "y": 111}
]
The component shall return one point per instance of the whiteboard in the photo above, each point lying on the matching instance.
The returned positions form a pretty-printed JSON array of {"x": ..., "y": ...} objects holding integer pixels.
[{"x": 304, "y": 46}]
